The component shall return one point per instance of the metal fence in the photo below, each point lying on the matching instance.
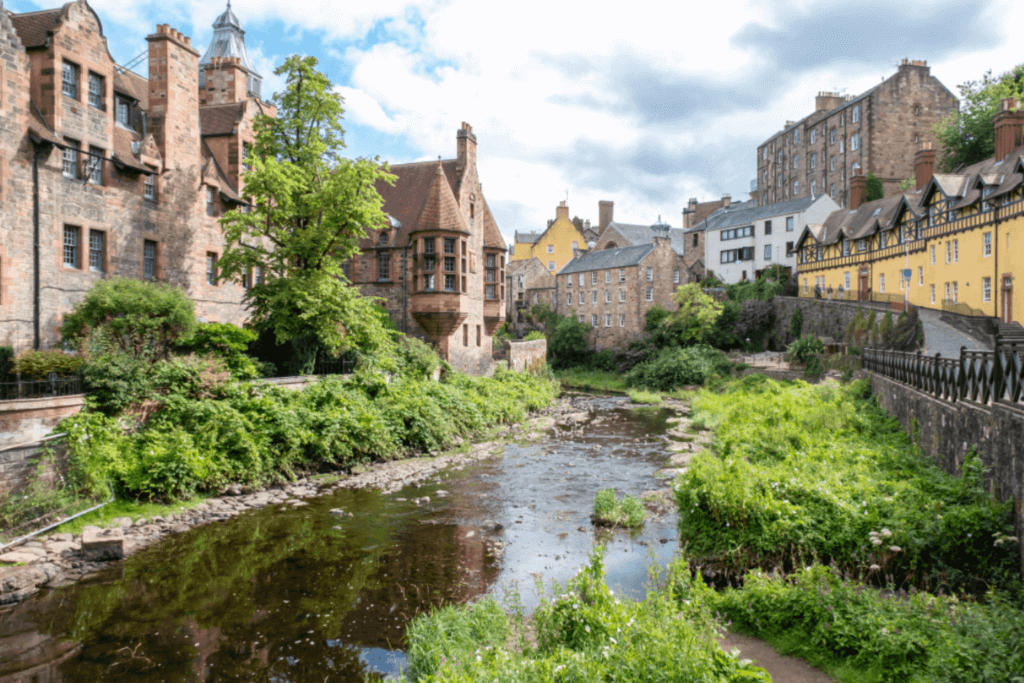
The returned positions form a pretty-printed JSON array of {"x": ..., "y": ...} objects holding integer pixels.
[
  {"x": 982, "y": 377},
  {"x": 45, "y": 388},
  {"x": 334, "y": 366}
]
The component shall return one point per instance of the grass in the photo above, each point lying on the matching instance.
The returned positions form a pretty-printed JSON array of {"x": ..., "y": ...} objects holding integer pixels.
[
  {"x": 628, "y": 512},
  {"x": 592, "y": 380},
  {"x": 128, "y": 508},
  {"x": 651, "y": 398}
]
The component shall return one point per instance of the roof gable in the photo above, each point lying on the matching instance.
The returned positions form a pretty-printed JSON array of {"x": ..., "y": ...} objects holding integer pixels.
[
  {"x": 440, "y": 210},
  {"x": 404, "y": 199}
]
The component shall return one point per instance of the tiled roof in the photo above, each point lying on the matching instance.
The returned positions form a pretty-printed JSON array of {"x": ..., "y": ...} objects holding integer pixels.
[
  {"x": 492, "y": 235},
  {"x": 124, "y": 152},
  {"x": 863, "y": 220},
  {"x": 745, "y": 213},
  {"x": 527, "y": 237},
  {"x": 34, "y": 27},
  {"x": 222, "y": 119},
  {"x": 132, "y": 84},
  {"x": 227, "y": 189},
  {"x": 405, "y": 199},
  {"x": 645, "y": 234},
  {"x": 440, "y": 210},
  {"x": 607, "y": 258}
]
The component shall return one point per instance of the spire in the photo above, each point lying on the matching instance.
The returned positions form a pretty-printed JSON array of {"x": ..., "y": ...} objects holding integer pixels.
[
  {"x": 229, "y": 41},
  {"x": 441, "y": 210}
]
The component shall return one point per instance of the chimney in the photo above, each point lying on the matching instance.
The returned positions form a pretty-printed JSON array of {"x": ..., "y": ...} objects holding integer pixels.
[
  {"x": 688, "y": 212},
  {"x": 174, "y": 97},
  {"x": 1009, "y": 125},
  {"x": 827, "y": 101},
  {"x": 858, "y": 189},
  {"x": 562, "y": 210},
  {"x": 605, "y": 214},
  {"x": 726, "y": 200},
  {"x": 924, "y": 165},
  {"x": 466, "y": 144}
]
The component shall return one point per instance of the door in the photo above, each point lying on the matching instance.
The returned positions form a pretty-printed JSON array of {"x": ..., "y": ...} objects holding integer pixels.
[
  {"x": 1007, "y": 294},
  {"x": 864, "y": 284}
]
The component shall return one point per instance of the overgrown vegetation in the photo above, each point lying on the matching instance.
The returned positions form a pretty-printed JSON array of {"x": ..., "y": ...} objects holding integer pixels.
[
  {"x": 642, "y": 397},
  {"x": 802, "y": 474},
  {"x": 583, "y": 633},
  {"x": 673, "y": 367},
  {"x": 628, "y": 512}
]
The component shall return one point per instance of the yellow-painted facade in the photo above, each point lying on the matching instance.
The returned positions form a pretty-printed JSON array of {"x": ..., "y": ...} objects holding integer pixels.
[
  {"x": 555, "y": 246},
  {"x": 964, "y": 261}
]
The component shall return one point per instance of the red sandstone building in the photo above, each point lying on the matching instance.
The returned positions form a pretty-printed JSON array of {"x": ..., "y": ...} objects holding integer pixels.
[
  {"x": 440, "y": 266},
  {"x": 108, "y": 172}
]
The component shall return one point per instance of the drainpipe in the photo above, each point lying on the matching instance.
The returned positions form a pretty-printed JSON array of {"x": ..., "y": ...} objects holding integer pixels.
[
  {"x": 35, "y": 250},
  {"x": 996, "y": 284}
]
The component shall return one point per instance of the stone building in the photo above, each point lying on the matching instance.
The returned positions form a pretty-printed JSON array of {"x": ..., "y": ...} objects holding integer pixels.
[
  {"x": 877, "y": 131},
  {"x": 612, "y": 289},
  {"x": 105, "y": 172},
  {"x": 557, "y": 244},
  {"x": 529, "y": 283},
  {"x": 440, "y": 266}
]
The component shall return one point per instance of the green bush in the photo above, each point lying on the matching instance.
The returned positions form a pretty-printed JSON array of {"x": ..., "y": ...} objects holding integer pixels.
[
  {"x": 6, "y": 364},
  {"x": 567, "y": 346},
  {"x": 803, "y": 348},
  {"x": 534, "y": 335},
  {"x": 796, "y": 323},
  {"x": 628, "y": 512},
  {"x": 228, "y": 342},
  {"x": 676, "y": 367},
  {"x": 799, "y": 472},
  {"x": 644, "y": 397},
  {"x": 603, "y": 361},
  {"x": 40, "y": 364},
  {"x": 584, "y": 633}
]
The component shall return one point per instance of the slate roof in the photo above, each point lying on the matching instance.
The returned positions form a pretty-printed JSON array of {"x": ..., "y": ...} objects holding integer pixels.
[
  {"x": 745, "y": 213},
  {"x": 645, "y": 234},
  {"x": 35, "y": 27},
  {"x": 124, "y": 151},
  {"x": 132, "y": 84},
  {"x": 527, "y": 237},
  {"x": 222, "y": 119},
  {"x": 607, "y": 258},
  {"x": 492, "y": 235},
  {"x": 228, "y": 40}
]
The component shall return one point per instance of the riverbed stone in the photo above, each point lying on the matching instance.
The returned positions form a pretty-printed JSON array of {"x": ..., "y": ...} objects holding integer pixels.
[
  {"x": 102, "y": 544},
  {"x": 21, "y": 556}
]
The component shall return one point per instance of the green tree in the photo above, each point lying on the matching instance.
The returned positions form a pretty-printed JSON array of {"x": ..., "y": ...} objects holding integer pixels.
[
  {"x": 568, "y": 344},
  {"x": 874, "y": 189},
  {"x": 310, "y": 207},
  {"x": 697, "y": 312},
  {"x": 967, "y": 136},
  {"x": 907, "y": 184},
  {"x": 139, "y": 317}
]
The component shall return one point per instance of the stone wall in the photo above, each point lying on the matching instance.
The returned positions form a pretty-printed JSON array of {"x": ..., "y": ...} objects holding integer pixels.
[
  {"x": 31, "y": 419},
  {"x": 524, "y": 355},
  {"x": 822, "y": 318},
  {"x": 948, "y": 431},
  {"x": 18, "y": 464}
]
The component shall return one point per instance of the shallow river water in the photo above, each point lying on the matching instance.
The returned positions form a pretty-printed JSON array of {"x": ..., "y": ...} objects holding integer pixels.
[{"x": 289, "y": 595}]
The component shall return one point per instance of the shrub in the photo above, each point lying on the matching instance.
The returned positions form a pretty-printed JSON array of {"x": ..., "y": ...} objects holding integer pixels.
[
  {"x": 603, "y": 361},
  {"x": 804, "y": 347},
  {"x": 675, "y": 367},
  {"x": 136, "y": 315},
  {"x": 568, "y": 344},
  {"x": 40, "y": 364},
  {"x": 796, "y": 323},
  {"x": 6, "y": 364},
  {"x": 228, "y": 342},
  {"x": 534, "y": 335},
  {"x": 644, "y": 397},
  {"x": 628, "y": 512}
]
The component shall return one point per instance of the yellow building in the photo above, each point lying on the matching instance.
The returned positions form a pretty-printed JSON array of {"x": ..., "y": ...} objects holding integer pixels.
[
  {"x": 554, "y": 247},
  {"x": 955, "y": 244}
]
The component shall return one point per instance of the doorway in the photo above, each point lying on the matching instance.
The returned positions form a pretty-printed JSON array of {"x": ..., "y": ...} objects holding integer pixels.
[{"x": 864, "y": 284}]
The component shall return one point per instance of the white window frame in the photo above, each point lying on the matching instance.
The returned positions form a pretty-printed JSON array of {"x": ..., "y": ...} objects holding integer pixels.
[
  {"x": 607, "y": 319},
  {"x": 622, "y": 319},
  {"x": 622, "y": 296},
  {"x": 583, "y": 279},
  {"x": 607, "y": 277},
  {"x": 551, "y": 249},
  {"x": 568, "y": 298},
  {"x": 986, "y": 289},
  {"x": 582, "y": 298},
  {"x": 956, "y": 251},
  {"x": 987, "y": 244},
  {"x": 650, "y": 293},
  {"x": 97, "y": 250},
  {"x": 675, "y": 276},
  {"x": 881, "y": 283},
  {"x": 622, "y": 274},
  {"x": 607, "y": 296},
  {"x": 846, "y": 280},
  {"x": 933, "y": 293},
  {"x": 650, "y": 274},
  {"x": 933, "y": 254}
]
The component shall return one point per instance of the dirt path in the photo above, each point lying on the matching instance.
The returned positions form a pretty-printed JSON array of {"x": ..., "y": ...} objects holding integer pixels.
[{"x": 782, "y": 669}]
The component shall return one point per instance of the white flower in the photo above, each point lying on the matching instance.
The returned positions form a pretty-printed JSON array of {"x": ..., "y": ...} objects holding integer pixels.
[
  {"x": 587, "y": 629},
  {"x": 614, "y": 642},
  {"x": 575, "y": 605},
  {"x": 886, "y": 533},
  {"x": 479, "y": 658},
  {"x": 895, "y": 548},
  {"x": 876, "y": 541},
  {"x": 875, "y": 567}
]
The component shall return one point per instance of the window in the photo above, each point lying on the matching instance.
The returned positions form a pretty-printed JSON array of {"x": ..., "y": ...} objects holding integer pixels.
[
  {"x": 70, "y": 156},
  {"x": 449, "y": 283},
  {"x": 149, "y": 187},
  {"x": 593, "y": 297},
  {"x": 737, "y": 233},
  {"x": 796, "y": 187},
  {"x": 551, "y": 265},
  {"x": 846, "y": 247},
  {"x": 580, "y": 317},
  {"x": 767, "y": 252},
  {"x": 449, "y": 246},
  {"x": 796, "y": 136},
  {"x": 582, "y": 279},
  {"x": 856, "y": 113},
  {"x": 246, "y": 166},
  {"x": 833, "y": 190},
  {"x": 490, "y": 291},
  {"x": 915, "y": 138},
  {"x": 855, "y": 142},
  {"x": 581, "y": 298},
  {"x": 917, "y": 110},
  {"x": 429, "y": 246},
  {"x": 622, "y": 320},
  {"x": 593, "y": 278},
  {"x": 820, "y": 255},
  {"x": 832, "y": 162},
  {"x": 478, "y": 335},
  {"x": 568, "y": 299},
  {"x": 832, "y": 136},
  {"x": 593, "y": 320},
  {"x": 211, "y": 206},
  {"x": 789, "y": 223},
  {"x": 71, "y": 234},
  {"x": 429, "y": 282},
  {"x": 846, "y": 280},
  {"x": 789, "y": 248},
  {"x": 932, "y": 288},
  {"x": 94, "y": 166},
  {"x": 575, "y": 245},
  {"x": 956, "y": 251},
  {"x": 211, "y": 268},
  {"x": 258, "y": 275},
  {"x": 607, "y": 276},
  {"x": 449, "y": 264},
  {"x": 622, "y": 296},
  {"x": 429, "y": 263},
  {"x": 675, "y": 276},
  {"x": 568, "y": 280},
  {"x": 805, "y": 285},
  {"x": 955, "y": 292},
  {"x": 70, "y": 80},
  {"x": 862, "y": 245},
  {"x": 881, "y": 282},
  {"x": 779, "y": 180},
  {"x": 796, "y": 161},
  {"x": 650, "y": 274},
  {"x": 903, "y": 283},
  {"x": 733, "y": 255},
  {"x": 551, "y": 249},
  {"x": 490, "y": 275},
  {"x": 920, "y": 276},
  {"x": 842, "y": 146},
  {"x": 607, "y": 296},
  {"x": 465, "y": 335},
  {"x": 607, "y": 319},
  {"x": 383, "y": 265},
  {"x": 949, "y": 251},
  {"x": 96, "y": 251},
  {"x": 947, "y": 291},
  {"x": 95, "y": 91},
  {"x": 814, "y": 161},
  {"x": 650, "y": 294},
  {"x": 986, "y": 289},
  {"x": 149, "y": 259},
  {"x": 123, "y": 113},
  {"x": 987, "y": 244},
  {"x": 622, "y": 274},
  {"x": 842, "y": 119},
  {"x": 933, "y": 254}
]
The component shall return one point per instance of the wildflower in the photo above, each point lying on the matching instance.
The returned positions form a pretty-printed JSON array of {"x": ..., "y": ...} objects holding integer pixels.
[
  {"x": 614, "y": 642},
  {"x": 875, "y": 567},
  {"x": 885, "y": 631},
  {"x": 895, "y": 548},
  {"x": 876, "y": 541},
  {"x": 479, "y": 658},
  {"x": 886, "y": 533},
  {"x": 575, "y": 605},
  {"x": 587, "y": 629}
]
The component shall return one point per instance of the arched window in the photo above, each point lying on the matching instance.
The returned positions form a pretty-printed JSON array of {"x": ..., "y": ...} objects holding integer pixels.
[{"x": 383, "y": 239}]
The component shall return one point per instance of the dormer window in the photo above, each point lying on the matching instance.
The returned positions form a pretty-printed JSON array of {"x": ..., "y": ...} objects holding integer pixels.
[
  {"x": 383, "y": 239},
  {"x": 124, "y": 112},
  {"x": 846, "y": 247}
]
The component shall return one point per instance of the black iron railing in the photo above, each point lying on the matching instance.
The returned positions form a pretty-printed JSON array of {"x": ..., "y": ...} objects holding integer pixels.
[
  {"x": 982, "y": 377},
  {"x": 44, "y": 388},
  {"x": 334, "y": 366}
]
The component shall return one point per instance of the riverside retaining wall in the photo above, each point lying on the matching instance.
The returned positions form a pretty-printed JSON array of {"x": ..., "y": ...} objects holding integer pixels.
[
  {"x": 19, "y": 464},
  {"x": 947, "y": 432},
  {"x": 30, "y": 419},
  {"x": 822, "y": 318},
  {"x": 525, "y": 355}
]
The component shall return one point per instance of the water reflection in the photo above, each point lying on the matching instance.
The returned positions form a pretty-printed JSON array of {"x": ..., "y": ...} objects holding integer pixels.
[{"x": 283, "y": 595}]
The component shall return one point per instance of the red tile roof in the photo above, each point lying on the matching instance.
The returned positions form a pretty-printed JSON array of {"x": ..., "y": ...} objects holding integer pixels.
[
  {"x": 405, "y": 199},
  {"x": 124, "y": 152},
  {"x": 133, "y": 85},
  {"x": 440, "y": 210},
  {"x": 221, "y": 119},
  {"x": 35, "y": 27},
  {"x": 492, "y": 235}
]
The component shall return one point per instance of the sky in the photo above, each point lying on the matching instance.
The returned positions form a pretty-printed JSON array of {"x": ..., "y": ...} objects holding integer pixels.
[{"x": 643, "y": 103}]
